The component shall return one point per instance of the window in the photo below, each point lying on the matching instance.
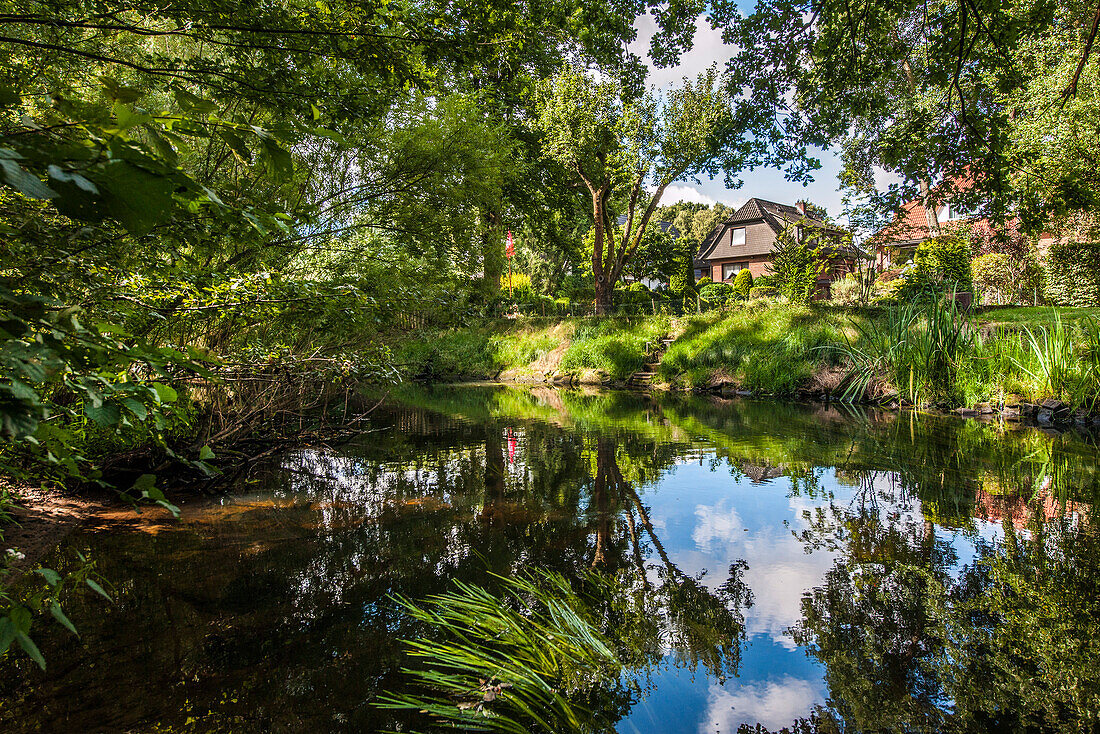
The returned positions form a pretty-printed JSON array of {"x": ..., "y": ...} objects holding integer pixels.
[
  {"x": 951, "y": 212},
  {"x": 729, "y": 270},
  {"x": 737, "y": 236}
]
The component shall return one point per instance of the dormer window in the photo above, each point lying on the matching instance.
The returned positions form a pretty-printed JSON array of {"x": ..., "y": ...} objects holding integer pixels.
[
  {"x": 951, "y": 212},
  {"x": 737, "y": 236}
]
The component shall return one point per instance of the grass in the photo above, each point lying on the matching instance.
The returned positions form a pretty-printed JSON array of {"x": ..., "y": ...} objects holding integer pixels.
[
  {"x": 616, "y": 348},
  {"x": 773, "y": 349},
  {"x": 1037, "y": 315},
  {"x": 922, "y": 353}
]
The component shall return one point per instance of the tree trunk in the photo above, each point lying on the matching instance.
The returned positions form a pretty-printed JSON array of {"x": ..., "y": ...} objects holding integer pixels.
[
  {"x": 602, "y": 240},
  {"x": 929, "y": 208},
  {"x": 492, "y": 253}
]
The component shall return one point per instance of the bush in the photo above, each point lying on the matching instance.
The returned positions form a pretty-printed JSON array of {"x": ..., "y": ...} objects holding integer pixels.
[
  {"x": 742, "y": 283},
  {"x": 994, "y": 277},
  {"x": 765, "y": 281},
  {"x": 940, "y": 264},
  {"x": 635, "y": 294},
  {"x": 716, "y": 292},
  {"x": 845, "y": 292},
  {"x": 763, "y": 291},
  {"x": 680, "y": 282},
  {"x": 704, "y": 280},
  {"x": 1073, "y": 274}
]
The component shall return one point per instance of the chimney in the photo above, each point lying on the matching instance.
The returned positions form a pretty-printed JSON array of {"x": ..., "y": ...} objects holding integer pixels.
[{"x": 801, "y": 207}]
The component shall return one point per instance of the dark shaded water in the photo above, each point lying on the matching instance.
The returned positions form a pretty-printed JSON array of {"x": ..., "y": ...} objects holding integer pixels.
[{"x": 795, "y": 566}]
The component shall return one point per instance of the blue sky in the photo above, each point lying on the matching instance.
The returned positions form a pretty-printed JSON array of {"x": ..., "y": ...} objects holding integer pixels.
[{"x": 764, "y": 183}]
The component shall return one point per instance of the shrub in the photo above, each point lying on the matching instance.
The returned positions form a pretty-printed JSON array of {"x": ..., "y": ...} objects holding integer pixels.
[
  {"x": 704, "y": 280},
  {"x": 994, "y": 277},
  {"x": 716, "y": 292},
  {"x": 763, "y": 291},
  {"x": 765, "y": 281},
  {"x": 635, "y": 294},
  {"x": 1073, "y": 274},
  {"x": 742, "y": 284},
  {"x": 846, "y": 291},
  {"x": 940, "y": 264},
  {"x": 680, "y": 282}
]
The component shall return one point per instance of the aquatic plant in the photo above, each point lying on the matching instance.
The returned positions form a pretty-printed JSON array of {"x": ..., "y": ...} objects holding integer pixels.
[
  {"x": 528, "y": 658},
  {"x": 916, "y": 348}
]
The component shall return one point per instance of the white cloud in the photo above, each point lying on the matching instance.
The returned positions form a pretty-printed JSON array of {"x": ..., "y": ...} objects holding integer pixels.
[
  {"x": 706, "y": 50},
  {"x": 779, "y": 569},
  {"x": 678, "y": 192},
  {"x": 716, "y": 524},
  {"x": 773, "y": 704}
]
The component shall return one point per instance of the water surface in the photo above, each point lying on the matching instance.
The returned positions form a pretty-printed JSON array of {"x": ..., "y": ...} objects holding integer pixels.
[{"x": 770, "y": 566}]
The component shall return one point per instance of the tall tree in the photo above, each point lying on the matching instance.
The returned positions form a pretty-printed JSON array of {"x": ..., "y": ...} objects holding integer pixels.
[{"x": 627, "y": 151}]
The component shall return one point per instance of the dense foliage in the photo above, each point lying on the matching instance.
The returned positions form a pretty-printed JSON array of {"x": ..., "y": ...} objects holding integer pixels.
[{"x": 1073, "y": 273}]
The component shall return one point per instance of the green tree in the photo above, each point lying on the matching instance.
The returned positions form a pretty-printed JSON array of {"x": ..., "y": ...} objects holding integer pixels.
[{"x": 617, "y": 145}]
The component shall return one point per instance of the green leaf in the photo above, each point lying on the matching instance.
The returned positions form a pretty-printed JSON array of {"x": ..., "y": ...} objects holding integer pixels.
[
  {"x": 60, "y": 174},
  {"x": 138, "y": 199},
  {"x": 55, "y": 610},
  {"x": 236, "y": 144},
  {"x": 25, "y": 183},
  {"x": 98, "y": 589},
  {"x": 136, "y": 407},
  {"x": 104, "y": 414},
  {"x": 193, "y": 104},
  {"x": 53, "y": 578},
  {"x": 7, "y": 634},
  {"x": 279, "y": 160},
  {"x": 145, "y": 482},
  {"x": 30, "y": 648},
  {"x": 165, "y": 394},
  {"x": 118, "y": 91},
  {"x": 205, "y": 453}
]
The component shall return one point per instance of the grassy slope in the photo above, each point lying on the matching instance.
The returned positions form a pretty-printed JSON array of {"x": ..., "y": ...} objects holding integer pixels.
[{"x": 768, "y": 349}]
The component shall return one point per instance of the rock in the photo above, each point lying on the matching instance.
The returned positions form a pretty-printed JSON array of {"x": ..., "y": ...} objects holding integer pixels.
[
  {"x": 984, "y": 408},
  {"x": 745, "y": 393},
  {"x": 1027, "y": 410},
  {"x": 1045, "y": 417},
  {"x": 967, "y": 412},
  {"x": 1011, "y": 414},
  {"x": 1059, "y": 411},
  {"x": 1081, "y": 417}
]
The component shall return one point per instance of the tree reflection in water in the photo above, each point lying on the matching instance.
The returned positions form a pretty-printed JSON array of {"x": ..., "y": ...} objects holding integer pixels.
[
  {"x": 962, "y": 597},
  {"x": 544, "y": 654}
]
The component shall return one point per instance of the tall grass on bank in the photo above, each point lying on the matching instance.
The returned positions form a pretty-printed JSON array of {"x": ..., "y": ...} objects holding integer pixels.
[
  {"x": 917, "y": 348},
  {"x": 932, "y": 352},
  {"x": 615, "y": 347},
  {"x": 1064, "y": 363}
]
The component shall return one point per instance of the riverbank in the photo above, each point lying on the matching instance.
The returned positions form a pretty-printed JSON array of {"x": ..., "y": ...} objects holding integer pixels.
[{"x": 1004, "y": 360}]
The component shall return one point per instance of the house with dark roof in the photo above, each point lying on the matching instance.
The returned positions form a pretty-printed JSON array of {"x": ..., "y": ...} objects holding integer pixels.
[{"x": 747, "y": 241}]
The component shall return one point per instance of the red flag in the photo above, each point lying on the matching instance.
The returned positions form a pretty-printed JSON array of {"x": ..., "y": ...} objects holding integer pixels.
[{"x": 510, "y": 250}]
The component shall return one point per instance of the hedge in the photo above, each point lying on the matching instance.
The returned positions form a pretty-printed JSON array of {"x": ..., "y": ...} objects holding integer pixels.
[
  {"x": 1073, "y": 274},
  {"x": 763, "y": 291},
  {"x": 716, "y": 292}
]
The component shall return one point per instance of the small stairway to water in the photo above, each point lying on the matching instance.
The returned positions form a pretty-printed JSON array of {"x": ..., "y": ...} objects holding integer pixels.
[{"x": 644, "y": 377}]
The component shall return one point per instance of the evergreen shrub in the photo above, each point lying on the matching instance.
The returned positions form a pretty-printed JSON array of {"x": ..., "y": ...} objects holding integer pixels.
[
  {"x": 716, "y": 292},
  {"x": 763, "y": 291},
  {"x": 742, "y": 283},
  {"x": 1073, "y": 274}
]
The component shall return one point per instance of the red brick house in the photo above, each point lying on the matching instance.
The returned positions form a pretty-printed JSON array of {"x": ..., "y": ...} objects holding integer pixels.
[
  {"x": 896, "y": 243},
  {"x": 747, "y": 240}
]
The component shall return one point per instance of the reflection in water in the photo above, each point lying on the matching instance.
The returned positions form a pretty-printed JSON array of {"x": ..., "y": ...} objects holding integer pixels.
[{"x": 746, "y": 565}]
